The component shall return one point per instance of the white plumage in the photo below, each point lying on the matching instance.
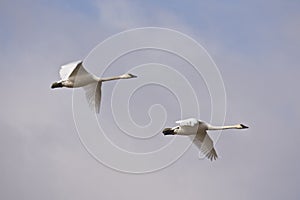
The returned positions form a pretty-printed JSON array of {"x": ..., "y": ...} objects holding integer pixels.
[
  {"x": 74, "y": 75},
  {"x": 198, "y": 129},
  {"x": 66, "y": 70}
]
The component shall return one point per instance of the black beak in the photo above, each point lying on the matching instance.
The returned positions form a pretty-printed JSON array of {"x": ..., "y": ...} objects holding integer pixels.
[
  {"x": 56, "y": 85},
  {"x": 243, "y": 126},
  {"x": 133, "y": 76},
  {"x": 168, "y": 131}
]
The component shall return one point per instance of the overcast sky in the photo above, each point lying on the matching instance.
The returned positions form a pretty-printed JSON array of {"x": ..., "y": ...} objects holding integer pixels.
[{"x": 255, "y": 45}]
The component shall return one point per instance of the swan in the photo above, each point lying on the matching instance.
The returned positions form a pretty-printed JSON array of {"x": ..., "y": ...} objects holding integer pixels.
[
  {"x": 191, "y": 127},
  {"x": 74, "y": 75}
]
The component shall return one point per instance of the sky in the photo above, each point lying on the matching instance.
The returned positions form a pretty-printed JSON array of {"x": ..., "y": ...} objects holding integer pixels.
[{"x": 255, "y": 45}]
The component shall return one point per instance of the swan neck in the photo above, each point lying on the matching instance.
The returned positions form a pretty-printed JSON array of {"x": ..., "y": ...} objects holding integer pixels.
[
  {"x": 111, "y": 78},
  {"x": 222, "y": 127},
  {"x": 96, "y": 78}
]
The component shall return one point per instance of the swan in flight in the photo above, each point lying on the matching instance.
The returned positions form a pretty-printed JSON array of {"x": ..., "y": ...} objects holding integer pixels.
[
  {"x": 191, "y": 127},
  {"x": 73, "y": 75}
]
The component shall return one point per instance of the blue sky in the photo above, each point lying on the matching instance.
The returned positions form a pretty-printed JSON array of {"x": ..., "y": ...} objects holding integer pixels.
[{"x": 255, "y": 45}]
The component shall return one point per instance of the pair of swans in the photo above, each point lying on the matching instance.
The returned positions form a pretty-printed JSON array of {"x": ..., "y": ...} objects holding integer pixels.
[{"x": 73, "y": 75}]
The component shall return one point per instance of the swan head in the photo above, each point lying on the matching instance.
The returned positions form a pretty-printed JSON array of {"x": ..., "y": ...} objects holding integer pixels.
[
  {"x": 242, "y": 126},
  {"x": 126, "y": 76},
  {"x": 56, "y": 85}
]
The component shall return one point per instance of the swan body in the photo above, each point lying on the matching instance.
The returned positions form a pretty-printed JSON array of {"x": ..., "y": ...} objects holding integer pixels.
[
  {"x": 74, "y": 75},
  {"x": 193, "y": 127}
]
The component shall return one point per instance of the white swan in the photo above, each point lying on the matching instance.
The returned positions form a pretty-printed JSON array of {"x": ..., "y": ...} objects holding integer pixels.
[
  {"x": 191, "y": 127},
  {"x": 74, "y": 75}
]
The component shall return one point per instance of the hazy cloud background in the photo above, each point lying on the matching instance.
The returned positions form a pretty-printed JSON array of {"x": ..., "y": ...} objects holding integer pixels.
[{"x": 256, "y": 47}]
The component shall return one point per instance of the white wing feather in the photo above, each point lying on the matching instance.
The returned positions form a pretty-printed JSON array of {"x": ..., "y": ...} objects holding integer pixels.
[
  {"x": 188, "y": 122},
  {"x": 93, "y": 95},
  {"x": 66, "y": 70},
  {"x": 205, "y": 144}
]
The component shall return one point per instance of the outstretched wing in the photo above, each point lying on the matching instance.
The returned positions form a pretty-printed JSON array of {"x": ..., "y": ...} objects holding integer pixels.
[
  {"x": 191, "y": 122},
  {"x": 66, "y": 70},
  {"x": 205, "y": 144},
  {"x": 93, "y": 95},
  {"x": 73, "y": 69}
]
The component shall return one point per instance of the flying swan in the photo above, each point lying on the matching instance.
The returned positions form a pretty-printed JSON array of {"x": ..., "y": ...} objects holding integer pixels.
[
  {"x": 191, "y": 127},
  {"x": 73, "y": 75}
]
